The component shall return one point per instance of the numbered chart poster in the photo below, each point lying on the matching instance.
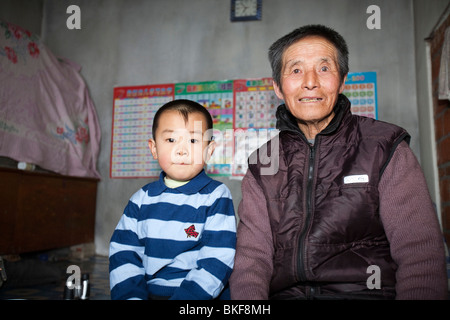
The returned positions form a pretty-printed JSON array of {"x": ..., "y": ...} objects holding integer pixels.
[
  {"x": 255, "y": 103},
  {"x": 361, "y": 90},
  {"x": 217, "y": 97},
  {"x": 134, "y": 108},
  {"x": 254, "y": 119}
]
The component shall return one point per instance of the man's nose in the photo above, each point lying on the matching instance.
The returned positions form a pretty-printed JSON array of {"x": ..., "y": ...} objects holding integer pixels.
[{"x": 310, "y": 80}]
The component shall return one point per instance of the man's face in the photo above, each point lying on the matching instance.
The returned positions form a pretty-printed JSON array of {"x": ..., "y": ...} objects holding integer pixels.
[{"x": 310, "y": 81}]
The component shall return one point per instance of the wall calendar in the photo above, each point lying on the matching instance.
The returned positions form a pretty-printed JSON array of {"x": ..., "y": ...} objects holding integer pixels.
[{"x": 243, "y": 113}]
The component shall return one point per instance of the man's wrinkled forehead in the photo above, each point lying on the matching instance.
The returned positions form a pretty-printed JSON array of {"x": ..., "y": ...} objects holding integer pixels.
[{"x": 306, "y": 48}]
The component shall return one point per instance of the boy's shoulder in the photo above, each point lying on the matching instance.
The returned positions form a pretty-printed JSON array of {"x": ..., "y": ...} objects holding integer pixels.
[
  {"x": 154, "y": 185},
  {"x": 150, "y": 189},
  {"x": 218, "y": 189},
  {"x": 206, "y": 184}
]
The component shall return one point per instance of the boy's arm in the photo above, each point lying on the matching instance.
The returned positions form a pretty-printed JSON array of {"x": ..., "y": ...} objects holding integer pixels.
[
  {"x": 127, "y": 273},
  {"x": 216, "y": 257}
]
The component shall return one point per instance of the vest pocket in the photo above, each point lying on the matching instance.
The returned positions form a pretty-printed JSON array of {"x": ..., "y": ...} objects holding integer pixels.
[{"x": 346, "y": 214}]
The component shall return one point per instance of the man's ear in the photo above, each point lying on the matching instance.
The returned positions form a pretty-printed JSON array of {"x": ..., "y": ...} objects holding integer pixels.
[
  {"x": 342, "y": 87},
  {"x": 210, "y": 150},
  {"x": 152, "y": 147},
  {"x": 278, "y": 91}
]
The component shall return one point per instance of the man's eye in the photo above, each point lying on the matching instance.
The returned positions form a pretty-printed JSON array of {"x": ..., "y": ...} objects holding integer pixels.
[
  {"x": 324, "y": 68},
  {"x": 296, "y": 71}
]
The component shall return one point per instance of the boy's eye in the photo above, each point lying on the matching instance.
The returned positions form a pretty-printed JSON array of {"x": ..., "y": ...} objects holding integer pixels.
[
  {"x": 194, "y": 140},
  {"x": 170, "y": 140}
]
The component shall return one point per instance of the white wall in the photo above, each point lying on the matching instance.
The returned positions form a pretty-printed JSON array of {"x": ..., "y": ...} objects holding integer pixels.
[{"x": 162, "y": 41}]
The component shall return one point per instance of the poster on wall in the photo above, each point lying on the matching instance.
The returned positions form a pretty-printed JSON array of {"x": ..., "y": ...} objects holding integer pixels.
[
  {"x": 243, "y": 112},
  {"x": 133, "y": 111},
  {"x": 255, "y": 103},
  {"x": 217, "y": 97},
  {"x": 254, "y": 118},
  {"x": 361, "y": 89}
]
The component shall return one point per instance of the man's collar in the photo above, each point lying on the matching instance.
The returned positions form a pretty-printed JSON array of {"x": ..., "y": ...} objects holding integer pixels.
[{"x": 287, "y": 122}]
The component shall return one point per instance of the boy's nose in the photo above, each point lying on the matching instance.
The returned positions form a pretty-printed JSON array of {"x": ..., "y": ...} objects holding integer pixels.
[
  {"x": 181, "y": 152},
  {"x": 181, "y": 149}
]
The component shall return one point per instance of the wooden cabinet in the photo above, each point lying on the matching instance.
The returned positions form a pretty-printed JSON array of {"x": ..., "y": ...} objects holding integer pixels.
[{"x": 42, "y": 211}]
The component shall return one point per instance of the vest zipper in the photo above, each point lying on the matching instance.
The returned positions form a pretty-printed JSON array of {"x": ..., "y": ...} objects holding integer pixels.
[{"x": 300, "y": 265}]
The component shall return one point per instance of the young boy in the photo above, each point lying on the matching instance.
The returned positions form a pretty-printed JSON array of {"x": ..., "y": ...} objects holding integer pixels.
[{"x": 177, "y": 236}]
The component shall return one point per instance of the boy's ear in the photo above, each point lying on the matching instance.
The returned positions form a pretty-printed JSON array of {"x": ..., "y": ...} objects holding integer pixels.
[
  {"x": 210, "y": 150},
  {"x": 152, "y": 147}
]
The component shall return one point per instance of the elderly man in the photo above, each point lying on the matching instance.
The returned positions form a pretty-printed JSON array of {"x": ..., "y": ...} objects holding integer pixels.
[{"x": 347, "y": 214}]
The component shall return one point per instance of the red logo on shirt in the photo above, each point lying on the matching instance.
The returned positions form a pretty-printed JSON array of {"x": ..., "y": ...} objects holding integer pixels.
[{"x": 191, "y": 232}]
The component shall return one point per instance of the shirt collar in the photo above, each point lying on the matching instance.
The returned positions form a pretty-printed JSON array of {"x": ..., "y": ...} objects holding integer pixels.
[{"x": 193, "y": 186}]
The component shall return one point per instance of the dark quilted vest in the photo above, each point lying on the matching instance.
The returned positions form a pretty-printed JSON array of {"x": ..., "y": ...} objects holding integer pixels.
[{"x": 323, "y": 205}]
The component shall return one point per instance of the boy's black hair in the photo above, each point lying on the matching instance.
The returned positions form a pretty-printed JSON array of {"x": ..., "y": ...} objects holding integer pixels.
[
  {"x": 184, "y": 107},
  {"x": 277, "y": 49}
]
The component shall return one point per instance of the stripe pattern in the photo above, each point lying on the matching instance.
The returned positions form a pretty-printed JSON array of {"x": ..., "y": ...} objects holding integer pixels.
[{"x": 151, "y": 253}]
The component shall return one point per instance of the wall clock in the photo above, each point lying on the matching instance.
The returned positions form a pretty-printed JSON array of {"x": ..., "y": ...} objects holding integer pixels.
[{"x": 245, "y": 10}]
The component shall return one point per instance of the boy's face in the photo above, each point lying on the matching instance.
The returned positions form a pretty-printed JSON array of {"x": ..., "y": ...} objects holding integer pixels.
[{"x": 181, "y": 147}]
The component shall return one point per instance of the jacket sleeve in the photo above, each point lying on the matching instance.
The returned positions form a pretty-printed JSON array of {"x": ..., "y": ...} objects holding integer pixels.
[
  {"x": 216, "y": 257},
  {"x": 412, "y": 228},
  {"x": 126, "y": 270},
  {"x": 253, "y": 266}
]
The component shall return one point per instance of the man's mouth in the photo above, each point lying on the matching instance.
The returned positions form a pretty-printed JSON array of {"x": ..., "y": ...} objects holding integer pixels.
[{"x": 310, "y": 99}]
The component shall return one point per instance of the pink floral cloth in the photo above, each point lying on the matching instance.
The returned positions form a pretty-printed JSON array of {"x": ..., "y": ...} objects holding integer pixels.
[{"x": 46, "y": 115}]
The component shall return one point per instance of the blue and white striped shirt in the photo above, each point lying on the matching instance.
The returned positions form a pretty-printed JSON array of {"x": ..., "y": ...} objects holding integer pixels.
[{"x": 178, "y": 243}]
